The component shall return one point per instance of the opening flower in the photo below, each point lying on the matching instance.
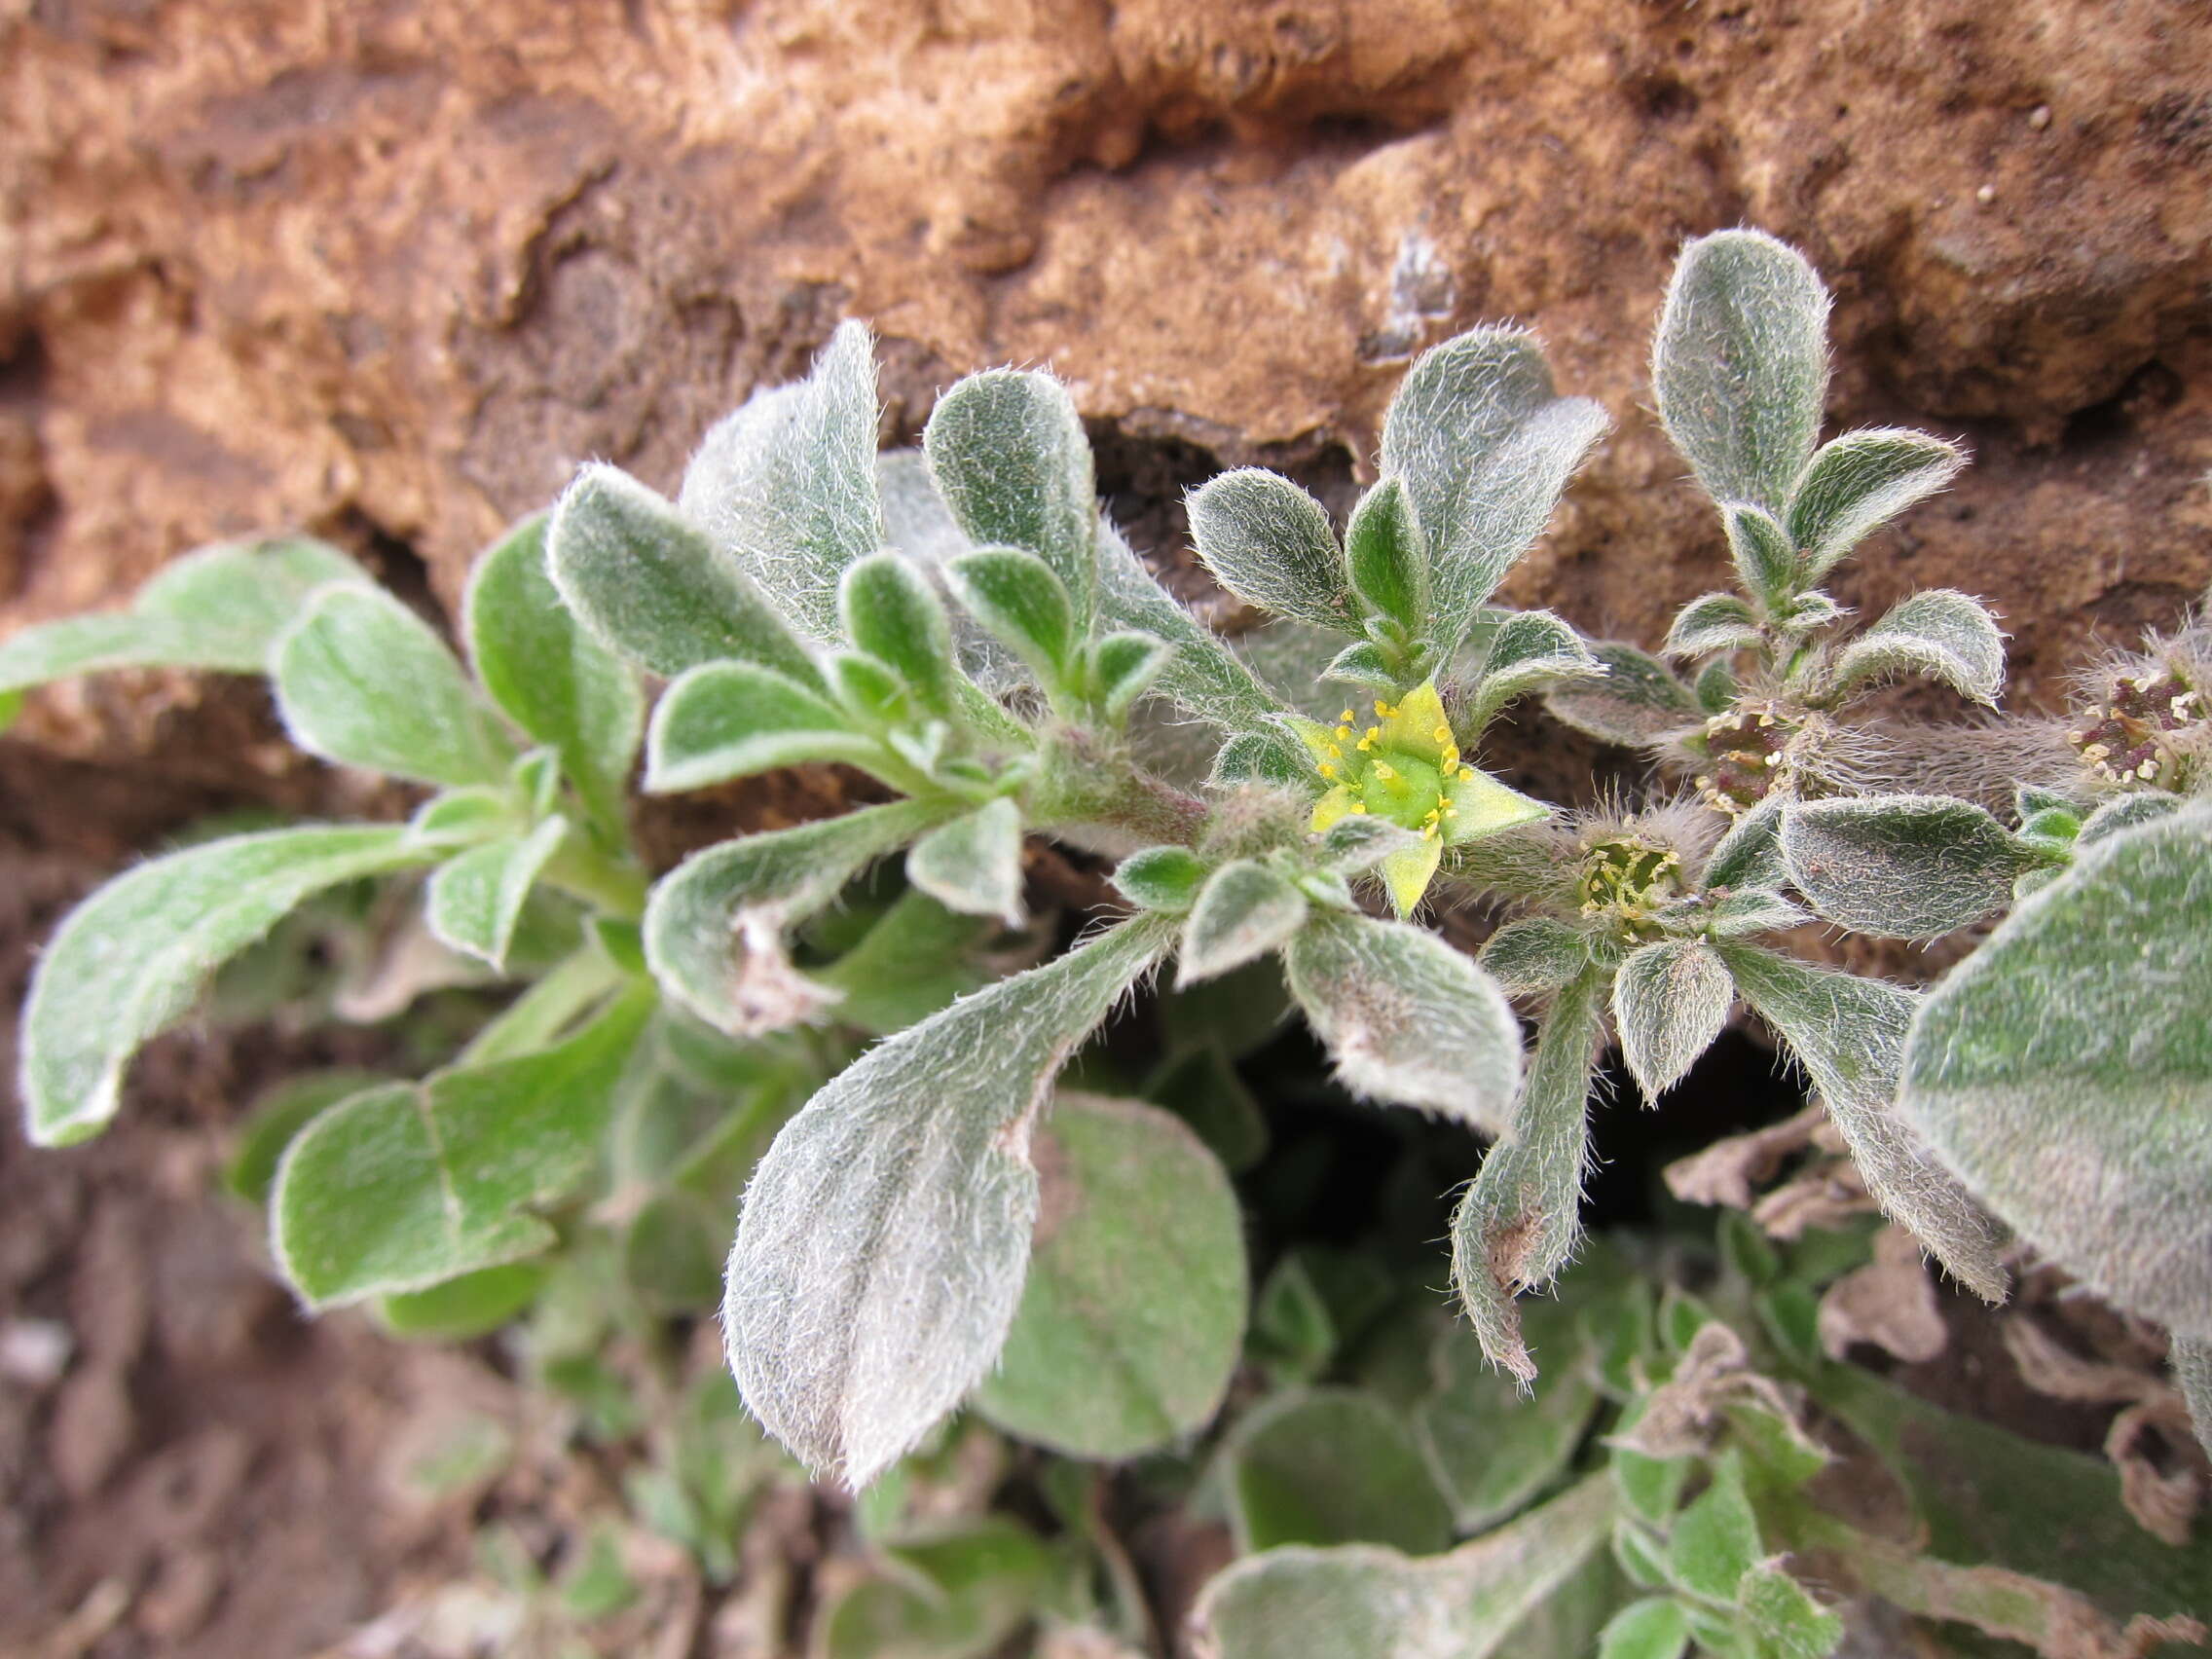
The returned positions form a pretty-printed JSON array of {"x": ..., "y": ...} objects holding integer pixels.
[{"x": 1404, "y": 765}]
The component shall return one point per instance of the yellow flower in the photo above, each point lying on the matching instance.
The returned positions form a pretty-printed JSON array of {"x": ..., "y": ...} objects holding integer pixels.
[{"x": 1407, "y": 768}]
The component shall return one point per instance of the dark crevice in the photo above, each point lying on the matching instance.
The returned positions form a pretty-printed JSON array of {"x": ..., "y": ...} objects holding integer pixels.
[{"x": 393, "y": 561}]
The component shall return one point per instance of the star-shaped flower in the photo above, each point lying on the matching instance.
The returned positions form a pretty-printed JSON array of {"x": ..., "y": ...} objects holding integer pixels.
[{"x": 1404, "y": 767}]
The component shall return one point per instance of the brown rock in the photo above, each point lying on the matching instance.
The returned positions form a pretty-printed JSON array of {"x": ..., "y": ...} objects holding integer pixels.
[{"x": 393, "y": 271}]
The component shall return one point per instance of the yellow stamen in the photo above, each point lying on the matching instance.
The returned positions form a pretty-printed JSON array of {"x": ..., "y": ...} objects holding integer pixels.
[
  {"x": 1327, "y": 770},
  {"x": 1384, "y": 771},
  {"x": 1359, "y": 806},
  {"x": 1443, "y": 734},
  {"x": 1384, "y": 709},
  {"x": 1344, "y": 734},
  {"x": 1347, "y": 716},
  {"x": 1364, "y": 745}
]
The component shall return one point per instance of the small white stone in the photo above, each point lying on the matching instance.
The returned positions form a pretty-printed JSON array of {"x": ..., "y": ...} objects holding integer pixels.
[
  {"x": 1986, "y": 195},
  {"x": 2039, "y": 117},
  {"x": 35, "y": 1351}
]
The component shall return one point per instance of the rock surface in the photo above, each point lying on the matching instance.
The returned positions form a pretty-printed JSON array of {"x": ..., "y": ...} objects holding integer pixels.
[{"x": 392, "y": 270}]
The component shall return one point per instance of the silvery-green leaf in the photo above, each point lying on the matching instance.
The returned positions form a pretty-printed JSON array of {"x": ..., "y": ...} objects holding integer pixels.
[
  {"x": 1270, "y": 544},
  {"x": 1492, "y": 1447},
  {"x": 1807, "y": 613},
  {"x": 713, "y": 925},
  {"x": 1161, "y": 878},
  {"x": 1849, "y": 1035},
  {"x": 1024, "y": 604},
  {"x": 552, "y": 678},
  {"x": 1901, "y": 866},
  {"x": 1859, "y": 482},
  {"x": 730, "y": 719},
  {"x": 2192, "y": 1360},
  {"x": 1740, "y": 365},
  {"x": 1363, "y": 663},
  {"x": 1484, "y": 445},
  {"x": 1407, "y": 1018},
  {"x": 458, "y": 817},
  {"x": 1750, "y": 854},
  {"x": 974, "y": 864},
  {"x": 1008, "y": 451},
  {"x": 475, "y": 898},
  {"x": 1716, "y": 686},
  {"x": 1766, "y": 564},
  {"x": 1245, "y": 910},
  {"x": 1534, "y": 956},
  {"x": 1362, "y": 842},
  {"x": 1638, "y": 698},
  {"x": 1527, "y": 652},
  {"x": 1937, "y": 633},
  {"x": 278, "y": 1115},
  {"x": 868, "y": 689},
  {"x": 1386, "y": 556},
  {"x": 786, "y": 486},
  {"x": 361, "y": 679},
  {"x": 474, "y": 1305},
  {"x": 2125, "y": 812},
  {"x": 1783, "y": 1619},
  {"x": 1123, "y": 667},
  {"x": 131, "y": 958},
  {"x": 1653, "y": 1628},
  {"x": 1366, "y": 1602},
  {"x": 890, "y": 611},
  {"x": 411, "y": 1184},
  {"x": 1716, "y": 1540},
  {"x": 884, "y": 1239},
  {"x": 1752, "y": 911},
  {"x": 1132, "y": 1315},
  {"x": 1670, "y": 1001},
  {"x": 1518, "y": 1225},
  {"x": 1332, "y": 1467},
  {"x": 1260, "y": 757},
  {"x": 654, "y": 589},
  {"x": 2064, "y": 1071},
  {"x": 955, "y": 1589},
  {"x": 1203, "y": 676},
  {"x": 1713, "y": 622},
  {"x": 218, "y": 607}
]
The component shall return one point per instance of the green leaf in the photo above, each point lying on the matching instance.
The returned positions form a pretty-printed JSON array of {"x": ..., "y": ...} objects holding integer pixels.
[
  {"x": 1024, "y": 604},
  {"x": 476, "y": 898},
  {"x": 2065, "y": 1070},
  {"x": 474, "y": 1305},
  {"x": 1527, "y": 652},
  {"x": 958, "y": 1590},
  {"x": 1750, "y": 854},
  {"x": 1740, "y": 365},
  {"x": 1518, "y": 1224},
  {"x": 1937, "y": 633},
  {"x": 1245, "y": 910},
  {"x": 1716, "y": 686},
  {"x": 1715, "y": 1541},
  {"x": 884, "y": 1240},
  {"x": 1126, "y": 665},
  {"x": 1534, "y": 956},
  {"x": 1636, "y": 700},
  {"x": 1752, "y": 911},
  {"x": 1268, "y": 542},
  {"x": 1161, "y": 878},
  {"x": 1782, "y": 1620},
  {"x": 1492, "y": 1447},
  {"x": 1364, "y": 663},
  {"x": 2124, "y": 812},
  {"x": 550, "y": 676},
  {"x": 2191, "y": 1362},
  {"x": 131, "y": 959},
  {"x": 786, "y": 486},
  {"x": 1386, "y": 556},
  {"x": 651, "y": 587},
  {"x": 732, "y": 720},
  {"x": 1653, "y": 1628},
  {"x": 913, "y": 962},
  {"x": 1670, "y": 1001},
  {"x": 974, "y": 864},
  {"x": 278, "y": 1114},
  {"x": 671, "y": 1253},
  {"x": 1484, "y": 446},
  {"x": 1132, "y": 1316},
  {"x": 1203, "y": 674},
  {"x": 1766, "y": 564},
  {"x": 1902, "y": 867},
  {"x": 1714, "y": 622},
  {"x": 891, "y": 611},
  {"x": 410, "y": 1185},
  {"x": 1200, "y": 1086},
  {"x": 1849, "y": 1035},
  {"x": 1362, "y": 1602},
  {"x": 1332, "y": 1467},
  {"x": 361, "y": 679},
  {"x": 1858, "y": 483},
  {"x": 1407, "y": 1018}
]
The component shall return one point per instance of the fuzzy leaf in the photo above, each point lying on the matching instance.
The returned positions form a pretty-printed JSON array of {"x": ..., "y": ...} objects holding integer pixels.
[
  {"x": 1161, "y": 878},
  {"x": 885, "y": 1236},
  {"x": 2065, "y": 1071},
  {"x": 1010, "y": 460},
  {"x": 552, "y": 678},
  {"x": 411, "y": 1185},
  {"x": 1740, "y": 365},
  {"x": 1638, "y": 699},
  {"x": 1901, "y": 866},
  {"x": 1363, "y": 663},
  {"x": 1752, "y": 911},
  {"x": 2192, "y": 1360},
  {"x": 890, "y": 611},
  {"x": 1407, "y": 1018},
  {"x": 786, "y": 486},
  {"x": 1492, "y": 1448},
  {"x": 1653, "y": 1628},
  {"x": 1386, "y": 556},
  {"x": 974, "y": 864},
  {"x": 1849, "y": 1033},
  {"x": 1766, "y": 564},
  {"x": 1484, "y": 445},
  {"x": 1132, "y": 1316},
  {"x": 1331, "y": 1467},
  {"x": 1245, "y": 912},
  {"x": 1670, "y": 1001},
  {"x": 1268, "y": 542},
  {"x": 1943, "y": 635},
  {"x": 219, "y": 607},
  {"x": 1784, "y": 1622},
  {"x": 1527, "y": 651},
  {"x": 1713, "y": 622},
  {"x": 1534, "y": 956},
  {"x": 713, "y": 925},
  {"x": 2124, "y": 812},
  {"x": 131, "y": 958},
  {"x": 730, "y": 720},
  {"x": 953, "y": 1589},
  {"x": 476, "y": 898},
  {"x": 1518, "y": 1225},
  {"x": 651, "y": 586},
  {"x": 1715, "y": 1541},
  {"x": 1750, "y": 854},
  {"x": 1023, "y": 603},
  {"x": 1858, "y": 483},
  {"x": 361, "y": 679},
  {"x": 1203, "y": 674},
  {"x": 1125, "y": 664},
  {"x": 278, "y": 1114}
]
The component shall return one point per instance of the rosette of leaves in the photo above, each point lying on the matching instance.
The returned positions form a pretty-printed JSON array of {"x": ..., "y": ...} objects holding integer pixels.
[{"x": 1769, "y": 673}]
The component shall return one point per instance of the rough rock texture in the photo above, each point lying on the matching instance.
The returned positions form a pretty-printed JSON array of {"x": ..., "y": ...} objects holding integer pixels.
[{"x": 391, "y": 271}]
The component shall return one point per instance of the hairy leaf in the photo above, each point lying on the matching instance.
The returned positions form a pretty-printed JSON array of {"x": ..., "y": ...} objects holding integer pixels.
[
  {"x": 1750, "y": 854},
  {"x": 1527, "y": 652},
  {"x": 1670, "y": 1001},
  {"x": 1203, "y": 674},
  {"x": 1766, "y": 564},
  {"x": 1331, "y": 1467},
  {"x": 1268, "y": 542},
  {"x": 2192, "y": 1360},
  {"x": 1161, "y": 878},
  {"x": 1024, "y": 604},
  {"x": 1715, "y": 1541},
  {"x": 2124, "y": 812},
  {"x": 1132, "y": 1316},
  {"x": 1492, "y": 1448},
  {"x": 2065, "y": 1070},
  {"x": 974, "y": 864},
  {"x": 1010, "y": 458},
  {"x": 131, "y": 959},
  {"x": 1740, "y": 365},
  {"x": 1386, "y": 556},
  {"x": 278, "y": 1114},
  {"x": 732, "y": 720},
  {"x": 1901, "y": 866},
  {"x": 1407, "y": 1018},
  {"x": 1243, "y": 912},
  {"x": 1127, "y": 664},
  {"x": 476, "y": 898},
  {"x": 1783, "y": 1619},
  {"x": 1534, "y": 956},
  {"x": 884, "y": 1239},
  {"x": 1713, "y": 622},
  {"x": 1638, "y": 698},
  {"x": 1653, "y": 1628},
  {"x": 1943, "y": 635},
  {"x": 890, "y": 611},
  {"x": 956, "y": 1590},
  {"x": 1484, "y": 445},
  {"x": 1858, "y": 483},
  {"x": 361, "y": 679}
]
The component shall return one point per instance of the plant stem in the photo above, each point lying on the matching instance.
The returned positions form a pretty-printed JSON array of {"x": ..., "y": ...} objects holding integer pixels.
[{"x": 616, "y": 887}]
